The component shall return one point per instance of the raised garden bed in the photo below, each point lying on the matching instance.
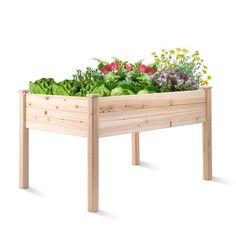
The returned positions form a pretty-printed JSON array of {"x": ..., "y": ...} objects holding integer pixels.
[{"x": 94, "y": 117}]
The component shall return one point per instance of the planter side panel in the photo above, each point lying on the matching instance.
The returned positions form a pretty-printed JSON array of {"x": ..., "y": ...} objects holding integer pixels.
[
  {"x": 61, "y": 114},
  {"x": 125, "y": 114}
]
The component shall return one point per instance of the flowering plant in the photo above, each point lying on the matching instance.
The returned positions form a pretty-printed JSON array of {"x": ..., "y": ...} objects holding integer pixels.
[
  {"x": 122, "y": 74},
  {"x": 178, "y": 70},
  {"x": 173, "y": 70}
]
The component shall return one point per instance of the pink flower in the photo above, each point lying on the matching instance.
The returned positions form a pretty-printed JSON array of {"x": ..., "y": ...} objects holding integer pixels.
[
  {"x": 128, "y": 67},
  {"x": 106, "y": 69},
  {"x": 149, "y": 70},
  {"x": 114, "y": 66},
  {"x": 142, "y": 68}
]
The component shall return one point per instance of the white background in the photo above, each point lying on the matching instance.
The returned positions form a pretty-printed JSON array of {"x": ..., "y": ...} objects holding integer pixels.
[{"x": 166, "y": 194}]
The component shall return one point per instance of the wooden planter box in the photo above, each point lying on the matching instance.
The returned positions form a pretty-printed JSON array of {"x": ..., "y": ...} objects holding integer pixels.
[{"x": 94, "y": 117}]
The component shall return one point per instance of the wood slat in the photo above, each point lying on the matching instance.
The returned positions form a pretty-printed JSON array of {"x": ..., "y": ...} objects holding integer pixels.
[
  {"x": 52, "y": 124},
  {"x": 121, "y": 103},
  {"x": 56, "y": 129},
  {"x": 61, "y": 103},
  {"x": 114, "y": 127},
  {"x": 147, "y": 112},
  {"x": 66, "y": 115}
]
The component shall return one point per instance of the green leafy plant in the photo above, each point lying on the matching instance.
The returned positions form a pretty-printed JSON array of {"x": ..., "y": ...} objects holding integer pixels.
[
  {"x": 122, "y": 74},
  {"x": 173, "y": 70},
  {"x": 65, "y": 88},
  {"x": 87, "y": 81},
  {"x": 101, "y": 90},
  {"x": 42, "y": 86}
]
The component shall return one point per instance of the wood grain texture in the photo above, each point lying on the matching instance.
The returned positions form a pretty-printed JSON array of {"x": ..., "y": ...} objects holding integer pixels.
[
  {"x": 115, "y": 127},
  {"x": 23, "y": 142},
  {"x": 131, "y": 102},
  {"x": 127, "y": 114},
  {"x": 40, "y": 122},
  {"x": 207, "y": 138},
  {"x": 117, "y": 115},
  {"x": 62, "y": 114},
  {"x": 57, "y": 128},
  {"x": 142, "y": 112},
  {"x": 135, "y": 149},
  {"x": 93, "y": 153},
  {"x": 66, "y": 115},
  {"x": 55, "y": 102}
]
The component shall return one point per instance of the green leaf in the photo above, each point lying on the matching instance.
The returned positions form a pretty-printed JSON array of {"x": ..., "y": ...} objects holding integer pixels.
[
  {"x": 143, "y": 91},
  {"x": 58, "y": 89},
  {"x": 119, "y": 91},
  {"x": 152, "y": 89},
  {"x": 101, "y": 90},
  {"x": 42, "y": 86},
  {"x": 127, "y": 85}
]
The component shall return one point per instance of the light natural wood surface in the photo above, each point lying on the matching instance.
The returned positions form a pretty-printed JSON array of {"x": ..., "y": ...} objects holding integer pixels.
[
  {"x": 61, "y": 103},
  {"x": 135, "y": 149},
  {"x": 66, "y": 115},
  {"x": 60, "y": 114},
  {"x": 130, "y": 102},
  {"x": 127, "y": 114},
  {"x": 207, "y": 138},
  {"x": 147, "y": 112},
  {"x": 117, "y": 115},
  {"x": 23, "y": 142},
  {"x": 95, "y": 117},
  {"x": 93, "y": 153},
  {"x": 74, "y": 127},
  {"x": 115, "y": 127}
]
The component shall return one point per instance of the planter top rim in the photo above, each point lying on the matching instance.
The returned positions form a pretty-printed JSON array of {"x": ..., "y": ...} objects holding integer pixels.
[{"x": 123, "y": 96}]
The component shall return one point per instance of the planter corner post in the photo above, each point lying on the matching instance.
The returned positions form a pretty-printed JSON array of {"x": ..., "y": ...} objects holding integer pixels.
[
  {"x": 93, "y": 153},
  {"x": 23, "y": 142},
  {"x": 207, "y": 138},
  {"x": 135, "y": 148}
]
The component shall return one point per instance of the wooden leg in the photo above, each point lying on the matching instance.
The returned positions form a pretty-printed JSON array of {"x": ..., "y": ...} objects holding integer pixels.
[
  {"x": 93, "y": 155},
  {"x": 135, "y": 149},
  {"x": 24, "y": 144},
  {"x": 207, "y": 139}
]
